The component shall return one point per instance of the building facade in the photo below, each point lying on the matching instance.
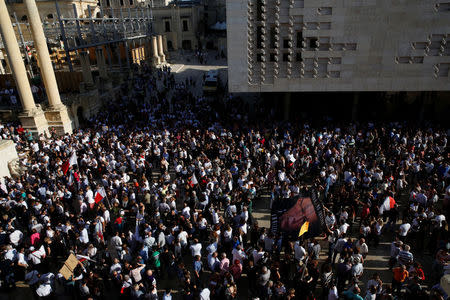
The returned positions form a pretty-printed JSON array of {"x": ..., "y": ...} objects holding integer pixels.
[
  {"x": 338, "y": 45},
  {"x": 177, "y": 21},
  {"x": 179, "y": 24},
  {"x": 47, "y": 9}
]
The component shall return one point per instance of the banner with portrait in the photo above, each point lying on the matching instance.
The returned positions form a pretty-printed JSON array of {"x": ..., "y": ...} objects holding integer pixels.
[{"x": 288, "y": 215}]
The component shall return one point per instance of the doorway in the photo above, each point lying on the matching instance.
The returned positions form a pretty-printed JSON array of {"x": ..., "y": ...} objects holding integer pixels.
[{"x": 186, "y": 45}]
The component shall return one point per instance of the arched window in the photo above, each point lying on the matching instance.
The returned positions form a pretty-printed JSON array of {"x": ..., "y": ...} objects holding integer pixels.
[
  {"x": 108, "y": 3},
  {"x": 121, "y": 2},
  {"x": 24, "y": 18},
  {"x": 131, "y": 2},
  {"x": 50, "y": 16}
]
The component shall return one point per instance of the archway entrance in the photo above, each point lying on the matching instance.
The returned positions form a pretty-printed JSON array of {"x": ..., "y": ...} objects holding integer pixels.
[
  {"x": 186, "y": 45},
  {"x": 170, "y": 45},
  {"x": 80, "y": 116}
]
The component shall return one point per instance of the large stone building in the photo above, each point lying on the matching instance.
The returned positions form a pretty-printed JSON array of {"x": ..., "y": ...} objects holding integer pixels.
[
  {"x": 338, "y": 45},
  {"x": 47, "y": 10},
  {"x": 179, "y": 24},
  {"x": 178, "y": 21}
]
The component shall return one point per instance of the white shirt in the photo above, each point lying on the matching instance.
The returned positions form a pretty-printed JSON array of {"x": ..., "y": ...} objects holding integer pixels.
[
  {"x": 299, "y": 251},
  {"x": 182, "y": 236},
  {"x": 11, "y": 254},
  {"x": 344, "y": 228},
  {"x": 212, "y": 262},
  {"x": 333, "y": 294},
  {"x": 204, "y": 295},
  {"x": 21, "y": 259},
  {"x": 404, "y": 228},
  {"x": 212, "y": 248},
  {"x": 37, "y": 255},
  {"x": 186, "y": 212},
  {"x": 44, "y": 290},
  {"x": 84, "y": 237},
  {"x": 116, "y": 267},
  {"x": 196, "y": 249},
  {"x": 15, "y": 237},
  {"x": 238, "y": 254}
]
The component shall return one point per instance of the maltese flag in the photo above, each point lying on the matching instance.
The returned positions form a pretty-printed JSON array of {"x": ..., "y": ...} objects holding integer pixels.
[
  {"x": 99, "y": 195},
  {"x": 387, "y": 205},
  {"x": 72, "y": 161},
  {"x": 193, "y": 181}
]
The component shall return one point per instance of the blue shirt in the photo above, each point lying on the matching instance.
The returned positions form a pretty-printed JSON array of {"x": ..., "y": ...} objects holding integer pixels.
[{"x": 198, "y": 266}]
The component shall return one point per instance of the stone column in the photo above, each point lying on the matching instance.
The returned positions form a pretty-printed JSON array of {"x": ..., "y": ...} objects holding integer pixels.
[
  {"x": 33, "y": 117},
  {"x": 43, "y": 56},
  {"x": 101, "y": 64},
  {"x": 156, "y": 60},
  {"x": 164, "y": 41},
  {"x": 57, "y": 115},
  {"x": 86, "y": 69},
  {"x": 160, "y": 49},
  {"x": 15, "y": 59}
]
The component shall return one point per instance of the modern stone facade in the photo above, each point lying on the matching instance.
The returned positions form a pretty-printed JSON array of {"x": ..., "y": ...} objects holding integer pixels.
[{"x": 338, "y": 45}]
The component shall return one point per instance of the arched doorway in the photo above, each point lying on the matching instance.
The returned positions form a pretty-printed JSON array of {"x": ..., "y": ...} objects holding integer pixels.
[
  {"x": 80, "y": 116},
  {"x": 186, "y": 45},
  {"x": 170, "y": 45}
]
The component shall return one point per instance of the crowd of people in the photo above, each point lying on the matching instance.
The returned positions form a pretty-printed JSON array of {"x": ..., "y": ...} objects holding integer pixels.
[
  {"x": 9, "y": 95},
  {"x": 158, "y": 191}
]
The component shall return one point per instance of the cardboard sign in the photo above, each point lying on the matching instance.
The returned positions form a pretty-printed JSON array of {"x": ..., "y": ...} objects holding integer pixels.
[{"x": 69, "y": 266}]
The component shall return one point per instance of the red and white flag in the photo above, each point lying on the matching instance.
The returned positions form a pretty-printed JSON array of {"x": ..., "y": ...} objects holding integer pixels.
[
  {"x": 70, "y": 181},
  {"x": 72, "y": 161},
  {"x": 99, "y": 195},
  {"x": 193, "y": 181},
  {"x": 387, "y": 205}
]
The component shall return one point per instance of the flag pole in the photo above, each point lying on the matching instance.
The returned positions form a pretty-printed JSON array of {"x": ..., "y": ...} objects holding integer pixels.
[{"x": 107, "y": 200}]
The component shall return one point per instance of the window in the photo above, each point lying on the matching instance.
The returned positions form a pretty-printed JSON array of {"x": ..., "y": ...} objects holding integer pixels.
[
  {"x": 272, "y": 37},
  {"x": 185, "y": 25},
  {"x": 259, "y": 6},
  {"x": 24, "y": 18},
  {"x": 131, "y": 2},
  {"x": 258, "y": 37},
  {"x": 285, "y": 43},
  {"x": 298, "y": 57},
  {"x": 167, "y": 26},
  {"x": 299, "y": 39},
  {"x": 285, "y": 56},
  {"x": 121, "y": 3},
  {"x": 50, "y": 16},
  {"x": 313, "y": 43},
  {"x": 272, "y": 57},
  {"x": 259, "y": 57}
]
